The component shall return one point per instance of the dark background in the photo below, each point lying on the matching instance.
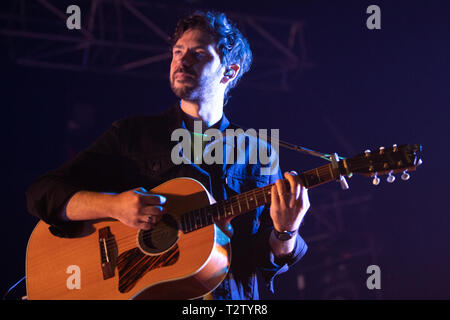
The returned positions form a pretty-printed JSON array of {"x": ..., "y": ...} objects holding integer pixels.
[{"x": 367, "y": 88}]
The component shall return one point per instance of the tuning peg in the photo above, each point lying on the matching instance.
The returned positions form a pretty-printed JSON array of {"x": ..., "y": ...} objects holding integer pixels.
[
  {"x": 376, "y": 180},
  {"x": 405, "y": 176},
  {"x": 343, "y": 182},
  {"x": 390, "y": 178}
]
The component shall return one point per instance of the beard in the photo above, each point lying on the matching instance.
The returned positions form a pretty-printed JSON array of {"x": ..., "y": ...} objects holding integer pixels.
[
  {"x": 184, "y": 88},
  {"x": 195, "y": 88}
]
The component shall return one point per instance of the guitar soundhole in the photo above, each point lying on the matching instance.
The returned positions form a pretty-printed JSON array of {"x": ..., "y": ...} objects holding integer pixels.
[{"x": 161, "y": 237}]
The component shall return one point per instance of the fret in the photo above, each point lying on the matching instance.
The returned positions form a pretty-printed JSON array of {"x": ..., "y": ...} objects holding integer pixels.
[
  {"x": 200, "y": 219},
  {"x": 195, "y": 219},
  {"x": 317, "y": 174},
  {"x": 253, "y": 198},
  {"x": 331, "y": 172},
  {"x": 226, "y": 211},
  {"x": 183, "y": 222},
  {"x": 203, "y": 215},
  {"x": 189, "y": 221},
  {"x": 221, "y": 211},
  {"x": 264, "y": 194},
  {"x": 217, "y": 212},
  {"x": 210, "y": 217},
  {"x": 313, "y": 179},
  {"x": 196, "y": 215},
  {"x": 305, "y": 181},
  {"x": 256, "y": 197},
  {"x": 246, "y": 200},
  {"x": 192, "y": 220}
]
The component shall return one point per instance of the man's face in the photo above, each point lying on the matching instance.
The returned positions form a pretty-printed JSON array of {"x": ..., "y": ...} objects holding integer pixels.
[{"x": 196, "y": 70}]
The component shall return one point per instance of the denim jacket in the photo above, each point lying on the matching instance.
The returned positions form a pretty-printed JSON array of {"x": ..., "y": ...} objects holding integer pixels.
[{"x": 137, "y": 152}]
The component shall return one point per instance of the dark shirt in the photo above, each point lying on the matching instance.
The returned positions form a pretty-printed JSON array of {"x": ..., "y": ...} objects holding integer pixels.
[{"x": 136, "y": 152}]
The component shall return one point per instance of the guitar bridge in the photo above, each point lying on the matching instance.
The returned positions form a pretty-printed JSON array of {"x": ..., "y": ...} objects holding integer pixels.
[{"x": 108, "y": 252}]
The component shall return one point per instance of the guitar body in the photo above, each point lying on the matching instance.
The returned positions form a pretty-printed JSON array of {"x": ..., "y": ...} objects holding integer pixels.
[
  {"x": 187, "y": 254},
  {"x": 110, "y": 260}
]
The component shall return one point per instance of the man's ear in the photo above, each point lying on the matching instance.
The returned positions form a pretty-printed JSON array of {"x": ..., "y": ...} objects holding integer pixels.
[{"x": 230, "y": 73}]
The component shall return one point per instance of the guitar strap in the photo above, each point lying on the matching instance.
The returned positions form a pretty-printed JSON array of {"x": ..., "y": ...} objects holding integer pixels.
[{"x": 290, "y": 146}]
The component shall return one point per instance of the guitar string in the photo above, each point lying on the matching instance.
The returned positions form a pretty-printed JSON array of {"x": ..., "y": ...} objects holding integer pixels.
[
  {"x": 134, "y": 236},
  {"x": 198, "y": 220},
  {"x": 124, "y": 243},
  {"x": 236, "y": 202},
  {"x": 128, "y": 241},
  {"x": 324, "y": 172},
  {"x": 94, "y": 275},
  {"x": 232, "y": 202},
  {"x": 256, "y": 195}
]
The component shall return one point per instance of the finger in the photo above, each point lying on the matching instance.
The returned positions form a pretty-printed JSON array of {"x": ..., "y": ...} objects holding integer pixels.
[
  {"x": 152, "y": 220},
  {"x": 281, "y": 190},
  {"x": 300, "y": 186},
  {"x": 294, "y": 189},
  {"x": 274, "y": 199},
  {"x": 154, "y": 211},
  {"x": 296, "y": 176},
  {"x": 304, "y": 203},
  {"x": 305, "y": 198},
  {"x": 144, "y": 225},
  {"x": 150, "y": 198}
]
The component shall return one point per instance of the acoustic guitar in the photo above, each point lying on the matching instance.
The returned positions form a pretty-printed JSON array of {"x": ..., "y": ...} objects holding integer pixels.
[{"x": 187, "y": 254}]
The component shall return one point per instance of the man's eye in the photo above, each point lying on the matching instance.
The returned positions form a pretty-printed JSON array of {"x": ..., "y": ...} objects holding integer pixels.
[{"x": 199, "y": 54}]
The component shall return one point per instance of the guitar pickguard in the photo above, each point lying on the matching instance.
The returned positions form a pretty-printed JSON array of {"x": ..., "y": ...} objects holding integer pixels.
[{"x": 133, "y": 264}]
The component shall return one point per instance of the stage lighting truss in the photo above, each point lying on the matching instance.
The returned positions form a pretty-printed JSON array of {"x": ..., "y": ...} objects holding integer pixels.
[{"x": 131, "y": 37}]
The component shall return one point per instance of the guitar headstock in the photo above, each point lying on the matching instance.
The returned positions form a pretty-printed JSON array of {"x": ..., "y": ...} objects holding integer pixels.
[{"x": 386, "y": 161}]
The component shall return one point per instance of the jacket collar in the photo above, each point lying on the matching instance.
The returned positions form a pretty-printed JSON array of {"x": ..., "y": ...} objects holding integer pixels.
[{"x": 185, "y": 121}]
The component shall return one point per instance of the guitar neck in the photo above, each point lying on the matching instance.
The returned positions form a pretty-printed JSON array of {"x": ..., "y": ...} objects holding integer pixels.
[{"x": 250, "y": 200}]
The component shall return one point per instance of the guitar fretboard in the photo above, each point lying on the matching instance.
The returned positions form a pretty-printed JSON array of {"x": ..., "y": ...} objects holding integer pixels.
[{"x": 250, "y": 200}]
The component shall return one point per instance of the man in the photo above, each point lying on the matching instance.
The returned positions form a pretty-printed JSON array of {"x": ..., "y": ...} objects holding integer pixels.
[{"x": 109, "y": 179}]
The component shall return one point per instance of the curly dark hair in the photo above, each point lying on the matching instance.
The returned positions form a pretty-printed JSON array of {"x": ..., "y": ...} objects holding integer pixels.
[{"x": 232, "y": 46}]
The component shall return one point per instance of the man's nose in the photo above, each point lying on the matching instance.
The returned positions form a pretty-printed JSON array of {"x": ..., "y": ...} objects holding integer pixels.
[{"x": 187, "y": 59}]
